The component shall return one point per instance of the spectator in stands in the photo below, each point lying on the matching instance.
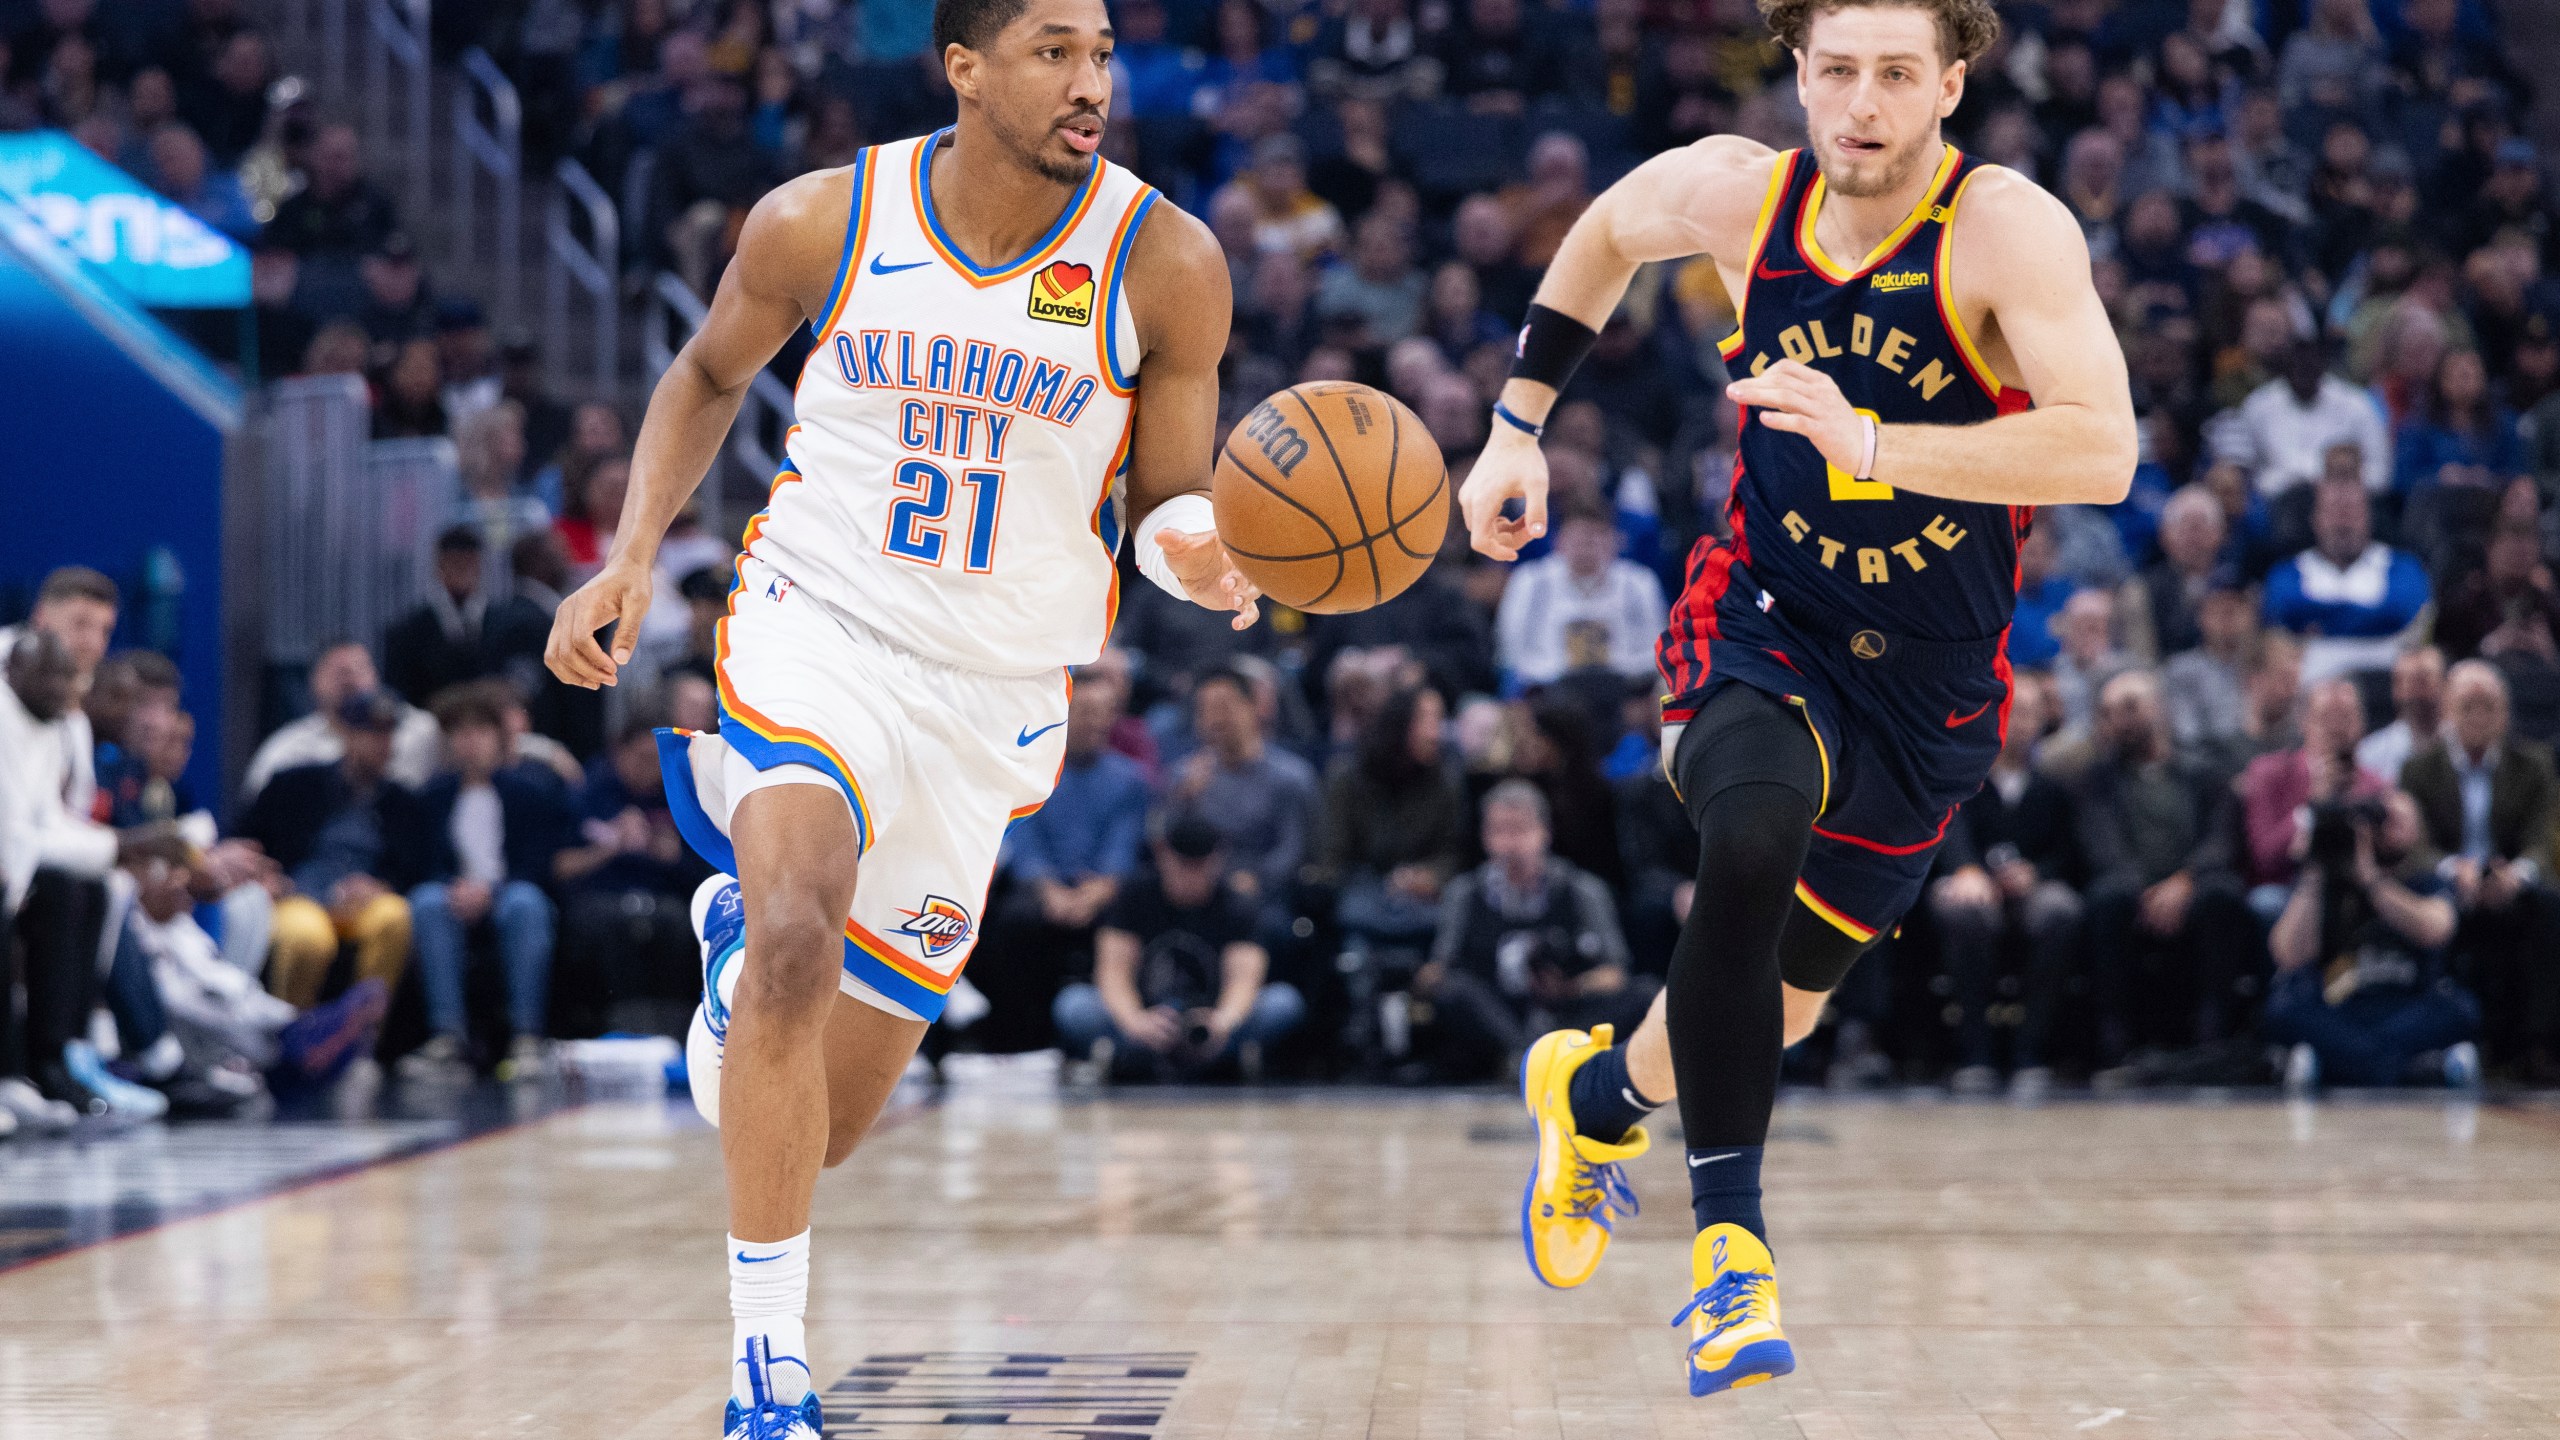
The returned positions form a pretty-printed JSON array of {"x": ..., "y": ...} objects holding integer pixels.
[
  {"x": 1066, "y": 862},
  {"x": 490, "y": 833},
  {"x": 1658, "y": 844},
  {"x": 2158, "y": 610},
  {"x": 1260, "y": 798},
  {"x": 1377, "y": 298},
  {"x": 489, "y": 444},
  {"x": 1555, "y": 193},
  {"x": 1485, "y": 241},
  {"x": 2417, "y": 706},
  {"x": 148, "y": 785},
  {"x": 447, "y": 640},
  {"x": 229, "y": 108},
  {"x": 627, "y": 954},
  {"x": 710, "y": 170},
  {"x": 2489, "y": 801},
  {"x": 2006, "y": 873},
  {"x": 2169, "y": 936},
  {"x": 470, "y": 364},
  {"x": 2278, "y": 791},
  {"x": 1287, "y": 216},
  {"x": 1374, "y": 51},
  {"x": 349, "y": 838},
  {"x": 410, "y": 403},
  {"x": 180, "y": 171},
  {"x": 2088, "y": 657},
  {"x": 2208, "y": 686},
  {"x": 338, "y": 212},
  {"x": 2350, "y": 596},
  {"x": 397, "y": 308},
  {"x": 2043, "y": 589},
  {"x": 587, "y": 525},
  {"x": 1179, "y": 980},
  {"x": 342, "y": 670},
  {"x": 1526, "y": 943},
  {"x": 1495, "y": 60},
  {"x": 2460, "y": 434},
  {"x": 2361, "y": 989},
  {"x": 2512, "y": 581},
  {"x": 1394, "y": 822},
  {"x": 1582, "y": 580},
  {"x": 2286, "y": 428}
]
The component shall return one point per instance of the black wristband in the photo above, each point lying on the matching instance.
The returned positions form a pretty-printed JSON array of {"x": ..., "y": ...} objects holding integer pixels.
[{"x": 1551, "y": 344}]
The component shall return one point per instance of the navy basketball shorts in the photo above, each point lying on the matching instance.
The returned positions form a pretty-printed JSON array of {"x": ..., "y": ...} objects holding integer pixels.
[{"x": 1906, "y": 728}]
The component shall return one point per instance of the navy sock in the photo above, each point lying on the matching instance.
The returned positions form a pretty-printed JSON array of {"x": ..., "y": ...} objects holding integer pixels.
[
  {"x": 1606, "y": 1103},
  {"x": 1724, "y": 1188}
]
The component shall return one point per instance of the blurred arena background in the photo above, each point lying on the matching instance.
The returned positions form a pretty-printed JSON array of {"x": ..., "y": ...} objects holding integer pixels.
[{"x": 325, "y": 326}]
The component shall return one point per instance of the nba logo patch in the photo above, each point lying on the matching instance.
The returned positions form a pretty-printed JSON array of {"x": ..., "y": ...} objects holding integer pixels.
[
  {"x": 939, "y": 926},
  {"x": 1063, "y": 294}
]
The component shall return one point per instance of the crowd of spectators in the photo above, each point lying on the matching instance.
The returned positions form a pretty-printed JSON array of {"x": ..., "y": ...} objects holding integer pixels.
[{"x": 2276, "y": 789}]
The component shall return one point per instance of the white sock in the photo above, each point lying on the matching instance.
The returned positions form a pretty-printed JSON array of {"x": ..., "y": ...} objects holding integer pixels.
[{"x": 768, "y": 1295}]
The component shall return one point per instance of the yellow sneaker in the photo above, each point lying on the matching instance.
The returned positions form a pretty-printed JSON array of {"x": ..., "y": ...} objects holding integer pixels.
[
  {"x": 1576, "y": 1191},
  {"x": 1734, "y": 1339}
]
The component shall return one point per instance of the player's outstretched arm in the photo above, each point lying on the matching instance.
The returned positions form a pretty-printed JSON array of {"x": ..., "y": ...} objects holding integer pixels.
[
  {"x": 786, "y": 259},
  {"x": 1700, "y": 200},
  {"x": 2017, "y": 248},
  {"x": 1182, "y": 301}
]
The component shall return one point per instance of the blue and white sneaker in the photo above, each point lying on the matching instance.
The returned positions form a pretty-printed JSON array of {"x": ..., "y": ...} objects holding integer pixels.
[
  {"x": 720, "y": 922},
  {"x": 125, "y": 1100},
  {"x": 767, "y": 1418}
]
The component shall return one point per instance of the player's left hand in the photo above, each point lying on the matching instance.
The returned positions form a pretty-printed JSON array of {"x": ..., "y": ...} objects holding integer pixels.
[
  {"x": 1209, "y": 575},
  {"x": 1794, "y": 397}
]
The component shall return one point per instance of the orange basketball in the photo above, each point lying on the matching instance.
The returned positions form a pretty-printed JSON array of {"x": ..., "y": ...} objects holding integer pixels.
[{"x": 1331, "y": 497}]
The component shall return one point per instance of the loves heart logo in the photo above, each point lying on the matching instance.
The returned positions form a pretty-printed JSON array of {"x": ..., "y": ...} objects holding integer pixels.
[{"x": 1062, "y": 293}]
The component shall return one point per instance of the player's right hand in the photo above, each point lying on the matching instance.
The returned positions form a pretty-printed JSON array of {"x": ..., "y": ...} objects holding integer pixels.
[
  {"x": 617, "y": 596},
  {"x": 1511, "y": 467}
]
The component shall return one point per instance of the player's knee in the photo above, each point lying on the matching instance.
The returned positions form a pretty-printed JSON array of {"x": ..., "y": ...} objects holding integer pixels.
[
  {"x": 1804, "y": 1012},
  {"x": 1753, "y": 835},
  {"x": 797, "y": 942}
]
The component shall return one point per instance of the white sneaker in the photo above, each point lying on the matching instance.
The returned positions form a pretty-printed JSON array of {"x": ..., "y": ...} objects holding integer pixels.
[
  {"x": 720, "y": 925},
  {"x": 29, "y": 1110},
  {"x": 124, "y": 1098},
  {"x": 2301, "y": 1070},
  {"x": 438, "y": 1062},
  {"x": 2462, "y": 1066},
  {"x": 529, "y": 1058}
]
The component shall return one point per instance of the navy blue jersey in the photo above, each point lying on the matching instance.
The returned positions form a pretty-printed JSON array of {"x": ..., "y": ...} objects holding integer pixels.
[{"x": 1887, "y": 332}]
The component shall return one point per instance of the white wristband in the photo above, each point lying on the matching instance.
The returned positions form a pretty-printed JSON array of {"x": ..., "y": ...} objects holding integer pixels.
[
  {"x": 1867, "y": 467},
  {"x": 1186, "y": 514}
]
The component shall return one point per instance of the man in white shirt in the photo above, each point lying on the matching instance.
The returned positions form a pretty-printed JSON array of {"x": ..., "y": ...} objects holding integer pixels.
[
  {"x": 2286, "y": 426},
  {"x": 2417, "y": 701},
  {"x": 1583, "y": 581},
  {"x": 342, "y": 670}
]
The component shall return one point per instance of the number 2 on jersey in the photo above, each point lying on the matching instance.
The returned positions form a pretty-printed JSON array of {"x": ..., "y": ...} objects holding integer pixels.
[{"x": 917, "y": 519}]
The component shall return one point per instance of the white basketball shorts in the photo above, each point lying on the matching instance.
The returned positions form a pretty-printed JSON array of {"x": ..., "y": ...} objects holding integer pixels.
[{"x": 935, "y": 761}]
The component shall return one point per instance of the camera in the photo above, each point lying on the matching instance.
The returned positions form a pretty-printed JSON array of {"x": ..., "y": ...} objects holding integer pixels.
[{"x": 2333, "y": 831}]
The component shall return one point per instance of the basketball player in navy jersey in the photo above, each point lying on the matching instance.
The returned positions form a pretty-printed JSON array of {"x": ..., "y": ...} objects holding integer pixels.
[{"x": 1835, "y": 674}]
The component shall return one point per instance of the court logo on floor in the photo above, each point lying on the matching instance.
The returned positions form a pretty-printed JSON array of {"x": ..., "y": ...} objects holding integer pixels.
[{"x": 926, "y": 1393}]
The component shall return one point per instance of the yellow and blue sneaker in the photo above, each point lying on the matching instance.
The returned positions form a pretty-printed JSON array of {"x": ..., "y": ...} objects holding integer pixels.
[
  {"x": 1734, "y": 1339},
  {"x": 1577, "y": 1191}
]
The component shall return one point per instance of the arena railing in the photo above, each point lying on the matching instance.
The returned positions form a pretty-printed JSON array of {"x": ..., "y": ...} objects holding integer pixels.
[
  {"x": 590, "y": 266},
  {"x": 395, "y": 39},
  {"x": 494, "y": 150},
  {"x": 347, "y": 523},
  {"x": 765, "y": 415}
]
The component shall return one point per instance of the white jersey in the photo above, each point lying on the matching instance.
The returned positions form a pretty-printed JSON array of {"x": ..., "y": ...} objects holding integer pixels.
[{"x": 955, "y": 478}]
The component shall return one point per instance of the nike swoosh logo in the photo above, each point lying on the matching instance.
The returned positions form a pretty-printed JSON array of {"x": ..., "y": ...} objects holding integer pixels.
[
  {"x": 1028, "y": 734},
  {"x": 1955, "y": 721},
  {"x": 746, "y": 1259},
  {"x": 878, "y": 268},
  {"x": 1695, "y": 1162},
  {"x": 1765, "y": 273}
]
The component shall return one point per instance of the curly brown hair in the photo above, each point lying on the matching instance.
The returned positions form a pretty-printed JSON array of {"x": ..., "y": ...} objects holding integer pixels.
[{"x": 1966, "y": 28}]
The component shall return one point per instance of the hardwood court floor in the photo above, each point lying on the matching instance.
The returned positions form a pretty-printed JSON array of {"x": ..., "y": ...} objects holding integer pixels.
[{"x": 1346, "y": 1265}]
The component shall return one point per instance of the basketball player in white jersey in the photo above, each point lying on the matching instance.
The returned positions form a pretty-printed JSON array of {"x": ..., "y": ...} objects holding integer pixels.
[{"x": 1017, "y": 347}]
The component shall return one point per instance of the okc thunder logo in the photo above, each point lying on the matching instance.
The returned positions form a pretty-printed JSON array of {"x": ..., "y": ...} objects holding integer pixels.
[{"x": 940, "y": 926}]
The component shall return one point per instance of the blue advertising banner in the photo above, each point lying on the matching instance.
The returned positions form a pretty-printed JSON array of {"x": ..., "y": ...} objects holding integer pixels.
[{"x": 143, "y": 245}]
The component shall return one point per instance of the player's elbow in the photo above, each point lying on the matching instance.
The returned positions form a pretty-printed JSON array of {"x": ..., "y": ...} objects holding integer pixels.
[{"x": 2109, "y": 456}]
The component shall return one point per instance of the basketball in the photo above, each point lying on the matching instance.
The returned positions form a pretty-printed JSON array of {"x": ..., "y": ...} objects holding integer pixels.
[{"x": 1331, "y": 496}]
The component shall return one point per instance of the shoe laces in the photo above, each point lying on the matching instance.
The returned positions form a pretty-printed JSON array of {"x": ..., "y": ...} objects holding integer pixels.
[
  {"x": 1727, "y": 1302},
  {"x": 1600, "y": 1192}
]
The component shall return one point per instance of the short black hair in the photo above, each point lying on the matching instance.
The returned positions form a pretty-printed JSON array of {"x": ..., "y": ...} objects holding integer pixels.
[
  {"x": 460, "y": 539},
  {"x": 972, "y": 22}
]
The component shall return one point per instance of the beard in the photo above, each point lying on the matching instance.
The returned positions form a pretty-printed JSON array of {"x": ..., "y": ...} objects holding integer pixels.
[
  {"x": 1880, "y": 175},
  {"x": 1032, "y": 150}
]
